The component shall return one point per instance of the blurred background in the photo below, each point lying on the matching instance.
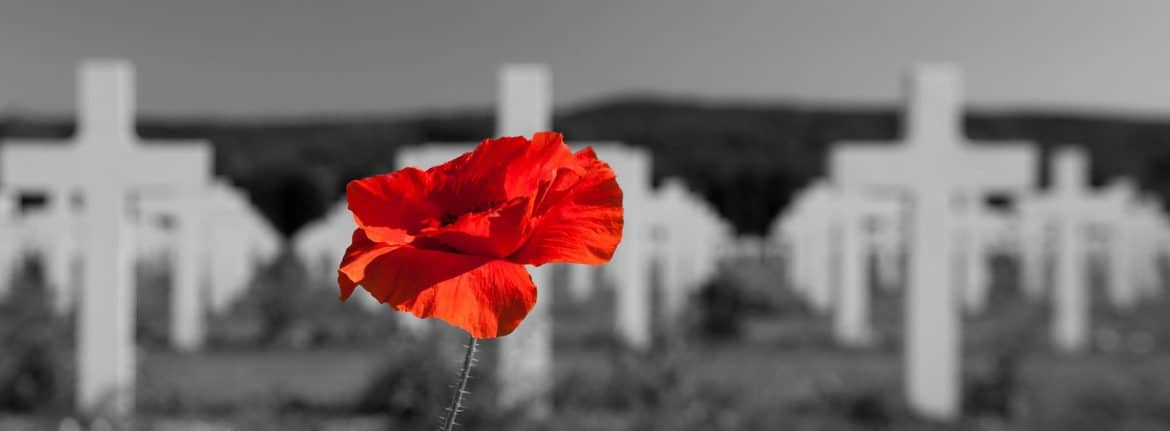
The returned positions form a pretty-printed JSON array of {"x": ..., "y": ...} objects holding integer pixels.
[{"x": 764, "y": 282}]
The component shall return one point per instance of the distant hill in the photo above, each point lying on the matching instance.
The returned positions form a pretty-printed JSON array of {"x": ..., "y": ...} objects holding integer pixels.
[{"x": 746, "y": 159}]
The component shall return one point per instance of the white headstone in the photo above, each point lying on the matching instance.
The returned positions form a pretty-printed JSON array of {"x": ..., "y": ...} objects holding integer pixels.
[
  {"x": 978, "y": 231},
  {"x": 1122, "y": 291},
  {"x": 1071, "y": 300},
  {"x": 1057, "y": 224},
  {"x": 808, "y": 225},
  {"x": 631, "y": 262},
  {"x": 851, "y": 322},
  {"x": 933, "y": 166},
  {"x": 239, "y": 240},
  {"x": 888, "y": 245},
  {"x": 683, "y": 231},
  {"x": 105, "y": 163},
  {"x": 186, "y": 248},
  {"x": 1035, "y": 245},
  {"x": 1152, "y": 242},
  {"x": 54, "y": 231}
]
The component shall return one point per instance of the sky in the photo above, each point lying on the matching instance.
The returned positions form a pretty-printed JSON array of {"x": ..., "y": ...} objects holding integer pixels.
[{"x": 229, "y": 58}]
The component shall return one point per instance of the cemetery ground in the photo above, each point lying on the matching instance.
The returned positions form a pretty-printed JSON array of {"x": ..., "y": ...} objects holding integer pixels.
[{"x": 746, "y": 355}]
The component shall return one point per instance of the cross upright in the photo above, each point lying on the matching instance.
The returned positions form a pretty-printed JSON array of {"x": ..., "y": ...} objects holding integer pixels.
[
  {"x": 808, "y": 224},
  {"x": 851, "y": 321},
  {"x": 934, "y": 165},
  {"x": 1121, "y": 195},
  {"x": 1070, "y": 296},
  {"x": 105, "y": 164},
  {"x": 1071, "y": 208}
]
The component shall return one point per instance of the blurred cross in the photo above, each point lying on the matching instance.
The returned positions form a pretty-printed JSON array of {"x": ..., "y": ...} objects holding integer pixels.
[
  {"x": 807, "y": 224},
  {"x": 1070, "y": 208},
  {"x": 851, "y": 322},
  {"x": 933, "y": 166},
  {"x": 187, "y": 301},
  {"x": 105, "y": 164}
]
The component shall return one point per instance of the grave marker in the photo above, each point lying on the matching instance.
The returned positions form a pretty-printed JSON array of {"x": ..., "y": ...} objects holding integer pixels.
[
  {"x": 107, "y": 164},
  {"x": 932, "y": 167},
  {"x": 187, "y": 300},
  {"x": 851, "y": 315}
]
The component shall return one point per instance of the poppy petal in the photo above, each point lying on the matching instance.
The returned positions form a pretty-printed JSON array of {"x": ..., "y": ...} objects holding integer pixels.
[
  {"x": 358, "y": 255},
  {"x": 578, "y": 222},
  {"x": 392, "y": 202},
  {"x": 498, "y": 171},
  {"x": 496, "y": 233},
  {"x": 543, "y": 158},
  {"x": 486, "y": 297}
]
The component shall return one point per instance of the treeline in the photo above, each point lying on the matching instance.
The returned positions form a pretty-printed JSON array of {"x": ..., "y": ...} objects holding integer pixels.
[{"x": 745, "y": 159}]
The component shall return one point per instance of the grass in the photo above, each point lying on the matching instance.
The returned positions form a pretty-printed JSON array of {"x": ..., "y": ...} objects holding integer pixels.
[{"x": 782, "y": 372}]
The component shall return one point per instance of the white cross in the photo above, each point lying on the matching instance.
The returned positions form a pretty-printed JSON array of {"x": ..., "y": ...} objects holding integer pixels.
[
  {"x": 1071, "y": 299},
  {"x": 1151, "y": 243},
  {"x": 933, "y": 166},
  {"x": 851, "y": 322},
  {"x": 684, "y": 234},
  {"x": 106, "y": 163},
  {"x": 806, "y": 223},
  {"x": 239, "y": 240},
  {"x": 1067, "y": 210},
  {"x": 187, "y": 301}
]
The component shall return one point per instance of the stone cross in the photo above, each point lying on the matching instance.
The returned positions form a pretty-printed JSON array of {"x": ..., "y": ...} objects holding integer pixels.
[
  {"x": 1150, "y": 246},
  {"x": 37, "y": 231},
  {"x": 105, "y": 164},
  {"x": 932, "y": 167},
  {"x": 1121, "y": 195},
  {"x": 187, "y": 266},
  {"x": 888, "y": 242},
  {"x": 977, "y": 230},
  {"x": 1057, "y": 223},
  {"x": 671, "y": 248},
  {"x": 807, "y": 224},
  {"x": 239, "y": 239},
  {"x": 684, "y": 232},
  {"x": 51, "y": 231},
  {"x": 1035, "y": 244},
  {"x": 1071, "y": 303},
  {"x": 851, "y": 211}
]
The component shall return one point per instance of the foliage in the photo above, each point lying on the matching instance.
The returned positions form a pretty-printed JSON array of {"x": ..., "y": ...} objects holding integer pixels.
[
  {"x": 412, "y": 387},
  {"x": 722, "y": 306},
  {"x": 746, "y": 159},
  {"x": 286, "y": 308},
  {"x": 34, "y": 377}
]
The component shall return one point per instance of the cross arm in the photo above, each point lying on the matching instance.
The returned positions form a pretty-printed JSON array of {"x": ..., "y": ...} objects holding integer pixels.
[{"x": 37, "y": 165}]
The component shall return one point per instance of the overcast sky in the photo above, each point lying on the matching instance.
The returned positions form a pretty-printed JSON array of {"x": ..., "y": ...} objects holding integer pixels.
[{"x": 263, "y": 57}]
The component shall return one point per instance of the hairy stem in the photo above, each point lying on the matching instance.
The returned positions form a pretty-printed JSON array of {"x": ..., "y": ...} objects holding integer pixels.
[{"x": 460, "y": 387}]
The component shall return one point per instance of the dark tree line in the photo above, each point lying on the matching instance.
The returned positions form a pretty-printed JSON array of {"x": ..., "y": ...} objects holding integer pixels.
[{"x": 746, "y": 160}]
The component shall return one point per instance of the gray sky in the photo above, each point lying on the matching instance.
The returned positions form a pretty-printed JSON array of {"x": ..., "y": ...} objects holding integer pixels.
[{"x": 229, "y": 57}]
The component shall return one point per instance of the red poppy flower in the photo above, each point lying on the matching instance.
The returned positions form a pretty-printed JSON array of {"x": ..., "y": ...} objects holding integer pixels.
[{"x": 451, "y": 242}]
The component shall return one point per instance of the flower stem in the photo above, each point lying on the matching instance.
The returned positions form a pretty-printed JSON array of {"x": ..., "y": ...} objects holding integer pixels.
[{"x": 460, "y": 387}]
